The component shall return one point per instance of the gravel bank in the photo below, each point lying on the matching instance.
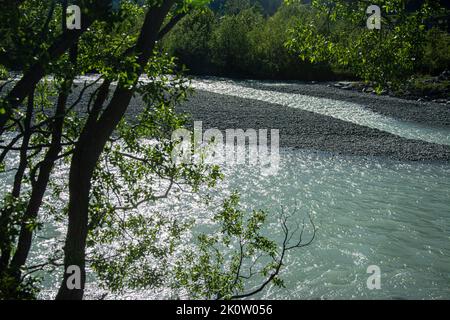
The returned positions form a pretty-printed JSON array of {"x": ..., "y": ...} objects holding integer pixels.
[
  {"x": 429, "y": 113},
  {"x": 307, "y": 130},
  {"x": 311, "y": 131}
]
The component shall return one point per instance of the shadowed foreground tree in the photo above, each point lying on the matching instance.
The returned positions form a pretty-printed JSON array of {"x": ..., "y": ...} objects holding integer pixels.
[
  {"x": 92, "y": 141},
  {"x": 116, "y": 164},
  {"x": 46, "y": 54}
]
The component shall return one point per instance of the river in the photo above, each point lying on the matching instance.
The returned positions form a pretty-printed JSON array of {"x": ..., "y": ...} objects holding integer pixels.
[{"x": 368, "y": 211}]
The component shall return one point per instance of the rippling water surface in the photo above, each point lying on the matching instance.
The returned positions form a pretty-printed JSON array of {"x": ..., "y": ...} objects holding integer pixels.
[{"x": 368, "y": 211}]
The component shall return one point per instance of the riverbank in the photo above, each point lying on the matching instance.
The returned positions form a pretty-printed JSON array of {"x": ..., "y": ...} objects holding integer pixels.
[
  {"x": 368, "y": 210},
  {"x": 313, "y": 131},
  {"x": 423, "y": 112}
]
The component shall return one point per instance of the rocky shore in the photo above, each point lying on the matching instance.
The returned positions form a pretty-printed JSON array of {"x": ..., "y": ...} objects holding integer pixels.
[
  {"x": 311, "y": 131},
  {"x": 424, "y": 112},
  {"x": 308, "y": 130}
]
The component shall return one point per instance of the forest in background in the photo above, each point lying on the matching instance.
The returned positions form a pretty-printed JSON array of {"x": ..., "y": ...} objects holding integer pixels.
[
  {"x": 297, "y": 41},
  {"x": 268, "y": 7},
  {"x": 303, "y": 40},
  {"x": 243, "y": 38}
]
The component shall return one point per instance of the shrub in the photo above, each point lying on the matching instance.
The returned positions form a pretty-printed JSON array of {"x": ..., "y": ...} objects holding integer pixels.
[
  {"x": 189, "y": 41},
  {"x": 3, "y": 73},
  {"x": 437, "y": 51}
]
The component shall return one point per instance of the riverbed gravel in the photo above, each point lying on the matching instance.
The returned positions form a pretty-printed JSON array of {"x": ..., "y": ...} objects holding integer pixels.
[
  {"x": 312, "y": 131},
  {"x": 307, "y": 130}
]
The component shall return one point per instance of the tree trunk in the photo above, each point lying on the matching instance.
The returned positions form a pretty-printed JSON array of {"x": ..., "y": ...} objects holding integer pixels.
[
  {"x": 40, "y": 185},
  {"x": 88, "y": 151},
  {"x": 5, "y": 218}
]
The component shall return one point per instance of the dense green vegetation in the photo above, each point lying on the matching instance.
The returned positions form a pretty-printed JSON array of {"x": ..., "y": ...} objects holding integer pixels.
[
  {"x": 268, "y": 7},
  {"x": 274, "y": 39},
  {"x": 3, "y": 73},
  {"x": 321, "y": 41},
  {"x": 243, "y": 42},
  {"x": 404, "y": 45}
]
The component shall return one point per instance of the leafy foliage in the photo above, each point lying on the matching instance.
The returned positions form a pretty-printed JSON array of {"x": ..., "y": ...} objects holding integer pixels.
[
  {"x": 236, "y": 259},
  {"x": 243, "y": 42},
  {"x": 437, "y": 54},
  {"x": 3, "y": 73},
  {"x": 208, "y": 272},
  {"x": 54, "y": 129},
  {"x": 386, "y": 56},
  {"x": 137, "y": 160}
]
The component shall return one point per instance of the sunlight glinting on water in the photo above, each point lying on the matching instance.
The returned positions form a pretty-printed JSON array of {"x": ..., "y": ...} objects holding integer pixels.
[{"x": 369, "y": 211}]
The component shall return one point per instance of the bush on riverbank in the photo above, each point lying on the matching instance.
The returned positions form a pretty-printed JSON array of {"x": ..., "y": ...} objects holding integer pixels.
[
  {"x": 3, "y": 73},
  {"x": 436, "y": 56},
  {"x": 304, "y": 42},
  {"x": 406, "y": 45},
  {"x": 431, "y": 88},
  {"x": 242, "y": 43}
]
